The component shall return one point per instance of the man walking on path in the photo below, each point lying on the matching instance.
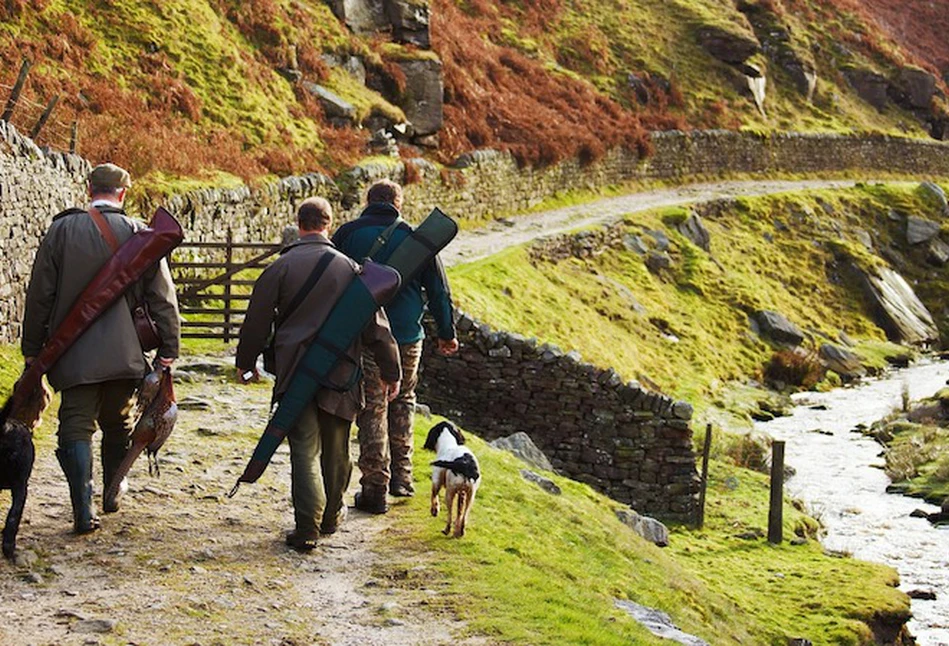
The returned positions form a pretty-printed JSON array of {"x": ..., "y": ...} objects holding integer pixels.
[
  {"x": 295, "y": 295},
  {"x": 99, "y": 374},
  {"x": 385, "y": 428}
]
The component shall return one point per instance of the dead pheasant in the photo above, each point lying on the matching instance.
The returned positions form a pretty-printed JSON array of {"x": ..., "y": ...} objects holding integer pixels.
[{"x": 153, "y": 428}]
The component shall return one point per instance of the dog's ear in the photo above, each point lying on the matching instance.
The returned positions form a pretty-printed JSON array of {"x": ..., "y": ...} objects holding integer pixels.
[
  {"x": 432, "y": 440},
  {"x": 458, "y": 436}
]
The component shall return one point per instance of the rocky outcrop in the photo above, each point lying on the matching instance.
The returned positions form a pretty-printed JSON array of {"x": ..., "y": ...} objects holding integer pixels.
[
  {"x": 781, "y": 47},
  {"x": 409, "y": 20},
  {"x": 521, "y": 445},
  {"x": 844, "y": 362},
  {"x": 913, "y": 88},
  {"x": 423, "y": 96},
  {"x": 869, "y": 85},
  {"x": 899, "y": 311},
  {"x": 649, "y": 528},
  {"x": 363, "y": 17},
  {"x": 727, "y": 45},
  {"x": 776, "y": 327},
  {"x": 338, "y": 110},
  {"x": 694, "y": 229},
  {"x": 920, "y": 230}
]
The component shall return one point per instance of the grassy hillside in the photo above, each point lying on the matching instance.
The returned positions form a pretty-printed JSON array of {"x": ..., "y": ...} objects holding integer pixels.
[
  {"x": 686, "y": 328},
  {"x": 191, "y": 89},
  {"x": 542, "y": 569}
]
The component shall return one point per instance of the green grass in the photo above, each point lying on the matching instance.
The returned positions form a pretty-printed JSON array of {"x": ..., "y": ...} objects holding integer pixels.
[
  {"x": 542, "y": 569},
  {"x": 780, "y": 252}
]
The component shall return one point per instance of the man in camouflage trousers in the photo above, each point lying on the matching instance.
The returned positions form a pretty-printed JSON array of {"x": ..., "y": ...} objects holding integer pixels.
[{"x": 385, "y": 428}]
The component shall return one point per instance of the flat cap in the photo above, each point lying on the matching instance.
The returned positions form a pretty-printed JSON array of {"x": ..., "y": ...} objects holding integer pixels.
[{"x": 110, "y": 176}]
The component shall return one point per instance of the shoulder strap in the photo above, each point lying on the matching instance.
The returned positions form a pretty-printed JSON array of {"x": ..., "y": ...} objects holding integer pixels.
[
  {"x": 104, "y": 229},
  {"x": 383, "y": 238},
  {"x": 311, "y": 281}
]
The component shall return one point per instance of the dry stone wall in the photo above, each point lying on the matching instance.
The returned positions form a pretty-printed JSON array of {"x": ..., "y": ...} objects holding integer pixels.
[
  {"x": 35, "y": 185},
  {"x": 629, "y": 443}
]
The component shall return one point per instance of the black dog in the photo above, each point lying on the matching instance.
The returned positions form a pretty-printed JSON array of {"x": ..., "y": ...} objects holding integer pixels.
[
  {"x": 16, "y": 465},
  {"x": 16, "y": 460}
]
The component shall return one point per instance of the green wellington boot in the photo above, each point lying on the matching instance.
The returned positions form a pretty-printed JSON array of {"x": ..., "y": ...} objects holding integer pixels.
[{"x": 76, "y": 460}]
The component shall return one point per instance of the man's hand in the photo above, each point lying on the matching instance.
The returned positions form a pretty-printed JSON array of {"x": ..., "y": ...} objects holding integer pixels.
[
  {"x": 248, "y": 376},
  {"x": 165, "y": 362},
  {"x": 391, "y": 389},
  {"x": 448, "y": 347}
]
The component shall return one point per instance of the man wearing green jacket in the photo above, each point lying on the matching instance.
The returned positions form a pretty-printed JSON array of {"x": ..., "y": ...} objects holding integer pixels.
[
  {"x": 385, "y": 428},
  {"x": 99, "y": 374}
]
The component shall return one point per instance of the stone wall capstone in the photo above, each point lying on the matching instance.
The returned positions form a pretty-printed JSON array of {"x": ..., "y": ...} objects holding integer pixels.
[{"x": 627, "y": 442}]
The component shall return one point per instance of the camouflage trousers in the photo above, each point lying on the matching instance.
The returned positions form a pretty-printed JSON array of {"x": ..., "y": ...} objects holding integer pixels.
[{"x": 385, "y": 429}]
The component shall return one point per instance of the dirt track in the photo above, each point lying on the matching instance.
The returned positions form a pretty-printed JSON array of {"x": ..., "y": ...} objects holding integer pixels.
[{"x": 473, "y": 245}]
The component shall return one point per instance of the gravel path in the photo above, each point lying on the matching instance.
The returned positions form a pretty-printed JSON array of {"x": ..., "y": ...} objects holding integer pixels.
[
  {"x": 183, "y": 564},
  {"x": 481, "y": 243}
]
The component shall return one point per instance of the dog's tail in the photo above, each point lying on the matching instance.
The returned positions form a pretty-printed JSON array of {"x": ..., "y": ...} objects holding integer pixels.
[{"x": 464, "y": 466}]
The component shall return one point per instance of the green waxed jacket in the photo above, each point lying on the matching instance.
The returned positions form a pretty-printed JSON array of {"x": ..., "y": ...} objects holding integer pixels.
[{"x": 71, "y": 253}]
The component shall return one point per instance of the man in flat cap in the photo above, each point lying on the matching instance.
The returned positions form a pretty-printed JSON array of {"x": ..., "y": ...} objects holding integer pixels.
[{"x": 99, "y": 373}]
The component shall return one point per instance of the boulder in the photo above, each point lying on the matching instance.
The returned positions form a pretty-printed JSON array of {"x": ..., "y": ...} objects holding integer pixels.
[
  {"x": 913, "y": 88},
  {"x": 656, "y": 261},
  {"x": 777, "y": 328},
  {"x": 658, "y": 623},
  {"x": 363, "y": 17},
  {"x": 728, "y": 46},
  {"x": 864, "y": 238},
  {"x": 937, "y": 253},
  {"x": 423, "y": 97},
  {"x": 352, "y": 65},
  {"x": 844, "y": 362},
  {"x": 920, "y": 230},
  {"x": 649, "y": 528},
  {"x": 899, "y": 311},
  {"x": 521, "y": 445},
  {"x": 694, "y": 229},
  {"x": 546, "y": 484},
  {"x": 934, "y": 194},
  {"x": 409, "y": 20},
  {"x": 869, "y": 86},
  {"x": 334, "y": 106}
]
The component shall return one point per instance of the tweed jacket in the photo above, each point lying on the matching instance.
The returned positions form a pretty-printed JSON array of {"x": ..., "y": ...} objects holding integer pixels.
[
  {"x": 71, "y": 253},
  {"x": 276, "y": 288}
]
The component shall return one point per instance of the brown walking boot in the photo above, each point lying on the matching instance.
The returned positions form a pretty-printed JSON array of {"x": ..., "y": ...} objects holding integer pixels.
[{"x": 372, "y": 501}]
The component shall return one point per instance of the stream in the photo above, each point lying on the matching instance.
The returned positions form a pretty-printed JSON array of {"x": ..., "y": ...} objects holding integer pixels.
[{"x": 840, "y": 479}]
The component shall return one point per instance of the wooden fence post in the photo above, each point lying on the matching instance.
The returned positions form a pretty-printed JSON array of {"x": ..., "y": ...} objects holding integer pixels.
[
  {"x": 229, "y": 252},
  {"x": 776, "y": 510},
  {"x": 17, "y": 88},
  {"x": 74, "y": 137},
  {"x": 706, "y": 451},
  {"x": 44, "y": 117}
]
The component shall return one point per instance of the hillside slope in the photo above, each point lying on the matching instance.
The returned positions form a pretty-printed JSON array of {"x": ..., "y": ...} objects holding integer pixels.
[{"x": 189, "y": 89}]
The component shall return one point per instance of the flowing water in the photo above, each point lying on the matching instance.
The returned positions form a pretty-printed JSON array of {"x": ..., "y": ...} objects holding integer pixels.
[{"x": 840, "y": 479}]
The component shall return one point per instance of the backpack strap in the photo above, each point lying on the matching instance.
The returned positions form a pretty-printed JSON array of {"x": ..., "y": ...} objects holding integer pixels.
[
  {"x": 311, "y": 281},
  {"x": 383, "y": 238}
]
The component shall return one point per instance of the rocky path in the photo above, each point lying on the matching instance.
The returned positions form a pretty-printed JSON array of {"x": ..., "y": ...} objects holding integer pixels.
[
  {"x": 481, "y": 243},
  {"x": 183, "y": 564}
]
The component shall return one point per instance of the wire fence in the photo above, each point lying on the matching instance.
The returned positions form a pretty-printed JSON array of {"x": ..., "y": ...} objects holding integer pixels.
[{"x": 36, "y": 116}]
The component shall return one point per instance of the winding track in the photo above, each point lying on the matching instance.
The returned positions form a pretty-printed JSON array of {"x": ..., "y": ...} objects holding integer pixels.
[{"x": 481, "y": 243}]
